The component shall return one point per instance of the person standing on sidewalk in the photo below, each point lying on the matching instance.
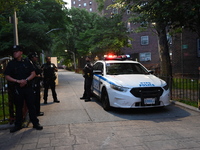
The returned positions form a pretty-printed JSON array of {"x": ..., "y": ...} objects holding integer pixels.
[
  {"x": 88, "y": 75},
  {"x": 49, "y": 70},
  {"x": 33, "y": 57},
  {"x": 20, "y": 72}
]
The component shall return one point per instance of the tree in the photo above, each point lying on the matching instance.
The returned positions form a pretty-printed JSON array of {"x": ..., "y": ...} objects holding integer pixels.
[
  {"x": 190, "y": 15},
  {"x": 34, "y": 21},
  {"x": 162, "y": 15},
  {"x": 9, "y": 5},
  {"x": 97, "y": 34}
]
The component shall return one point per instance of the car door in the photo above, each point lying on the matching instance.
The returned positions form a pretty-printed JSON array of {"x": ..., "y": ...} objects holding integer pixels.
[{"x": 98, "y": 71}]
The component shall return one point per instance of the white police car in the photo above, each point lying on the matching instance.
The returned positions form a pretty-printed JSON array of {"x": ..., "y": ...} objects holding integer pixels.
[{"x": 128, "y": 84}]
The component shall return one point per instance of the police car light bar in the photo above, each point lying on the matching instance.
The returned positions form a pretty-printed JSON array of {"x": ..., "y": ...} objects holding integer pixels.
[{"x": 115, "y": 57}]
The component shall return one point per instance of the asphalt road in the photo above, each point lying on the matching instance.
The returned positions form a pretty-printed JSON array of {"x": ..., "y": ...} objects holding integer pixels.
[{"x": 77, "y": 125}]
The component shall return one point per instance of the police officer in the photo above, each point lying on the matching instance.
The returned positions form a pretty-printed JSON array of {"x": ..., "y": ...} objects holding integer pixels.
[
  {"x": 49, "y": 70},
  {"x": 20, "y": 72},
  {"x": 33, "y": 57},
  {"x": 88, "y": 75}
]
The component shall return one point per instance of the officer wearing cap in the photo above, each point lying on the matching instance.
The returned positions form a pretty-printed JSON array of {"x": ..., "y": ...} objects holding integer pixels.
[
  {"x": 20, "y": 72},
  {"x": 49, "y": 70},
  {"x": 88, "y": 75},
  {"x": 33, "y": 57}
]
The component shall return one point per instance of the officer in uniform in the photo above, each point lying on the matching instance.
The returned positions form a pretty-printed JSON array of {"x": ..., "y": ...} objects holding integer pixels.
[
  {"x": 20, "y": 72},
  {"x": 88, "y": 75},
  {"x": 33, "y": 57},
  {"x": 49, "y": 70}
]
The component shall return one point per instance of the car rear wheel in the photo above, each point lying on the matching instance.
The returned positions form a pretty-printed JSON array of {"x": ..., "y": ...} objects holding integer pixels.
[{"x": 105, "y": 100}]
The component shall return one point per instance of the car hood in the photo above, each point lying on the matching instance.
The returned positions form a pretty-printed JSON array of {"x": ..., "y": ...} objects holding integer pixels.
[{"x": 136, "y": 80}]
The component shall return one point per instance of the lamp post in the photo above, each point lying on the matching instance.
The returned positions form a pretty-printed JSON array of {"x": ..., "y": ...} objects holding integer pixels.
[
  {"x": 73, "y": 58},
  {"x": 53, "y": 30},
  {"x": 46, "y": 34}
]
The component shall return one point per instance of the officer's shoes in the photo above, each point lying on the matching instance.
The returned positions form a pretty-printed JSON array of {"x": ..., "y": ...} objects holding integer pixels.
[
  {"x": 40, "y": 114},
  {"x": 15, "y": 128},
  {"x": 56, "y": 101},
  {"x": 45, "y": 102},
  {"x": 83, "y": 98},
  {"x": 38, "y": 127},
  {"x": 87, "y": 100}
]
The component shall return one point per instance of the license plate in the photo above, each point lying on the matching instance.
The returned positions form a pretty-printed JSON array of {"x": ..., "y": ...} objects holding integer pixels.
[{"x": 149, "y": 101}]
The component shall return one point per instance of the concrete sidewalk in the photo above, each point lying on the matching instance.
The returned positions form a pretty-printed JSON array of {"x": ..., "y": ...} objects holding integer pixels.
[{"x": 68, "y": 127}]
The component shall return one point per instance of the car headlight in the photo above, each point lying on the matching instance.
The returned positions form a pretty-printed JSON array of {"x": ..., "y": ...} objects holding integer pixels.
[
  {"x": 166, "y": 87},
  {"x": 119, "y": 88}
]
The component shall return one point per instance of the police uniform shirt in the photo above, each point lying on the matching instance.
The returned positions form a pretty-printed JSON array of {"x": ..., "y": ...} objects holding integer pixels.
[
  {"x": 49, "y": 70},
  {"x": 19, "y": 69},
  {"x": 88, "y": 69},
  {"x": 38, "y": 70}
]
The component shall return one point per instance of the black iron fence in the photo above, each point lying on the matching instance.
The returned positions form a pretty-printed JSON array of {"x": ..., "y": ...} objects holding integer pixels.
[
  {"x": 4, "y": 103},
  {"x": 186, "y": 90},
  {"x": 183, "y": 89}
]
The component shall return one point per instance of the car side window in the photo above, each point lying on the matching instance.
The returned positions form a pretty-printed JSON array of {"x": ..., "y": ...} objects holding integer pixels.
[{"x": 98, "y": 66}]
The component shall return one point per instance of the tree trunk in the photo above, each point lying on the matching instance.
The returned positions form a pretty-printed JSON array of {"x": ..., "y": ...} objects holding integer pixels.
[{"x": 165, "y": 65}]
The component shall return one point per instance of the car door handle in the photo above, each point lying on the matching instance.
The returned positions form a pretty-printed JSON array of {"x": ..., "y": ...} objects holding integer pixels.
[{"x": 101, "y": 82}]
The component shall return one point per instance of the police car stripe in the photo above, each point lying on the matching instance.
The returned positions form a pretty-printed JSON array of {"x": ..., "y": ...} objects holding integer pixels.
[{"x": 105, "y": 79}]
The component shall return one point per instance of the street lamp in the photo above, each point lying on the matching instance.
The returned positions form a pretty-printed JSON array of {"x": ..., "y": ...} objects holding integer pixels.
[
  {"x": 73, "y": 58},
  {"x": 48, "y": 33},
  {"x": 53, "y": 30}
]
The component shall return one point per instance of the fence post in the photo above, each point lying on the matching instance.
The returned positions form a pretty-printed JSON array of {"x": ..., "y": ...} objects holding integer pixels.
[{"x": 199, "y": 90}]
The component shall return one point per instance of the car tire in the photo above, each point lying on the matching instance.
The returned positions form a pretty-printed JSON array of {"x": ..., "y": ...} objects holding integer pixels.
[{"x": 105, "y": 101}]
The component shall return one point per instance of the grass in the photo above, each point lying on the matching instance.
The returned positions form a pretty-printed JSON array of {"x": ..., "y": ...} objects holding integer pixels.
[
  {"x": 191, "y": 103},
  {"x": 4, "y": 109},
  {"x": 185, "y": 83}
]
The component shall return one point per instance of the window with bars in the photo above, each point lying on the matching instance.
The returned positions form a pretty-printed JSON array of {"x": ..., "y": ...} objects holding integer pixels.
[{"x": 144, "y": 40}]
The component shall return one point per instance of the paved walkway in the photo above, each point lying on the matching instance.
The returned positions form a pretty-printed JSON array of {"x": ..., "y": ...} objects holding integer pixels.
[{"x": 65, "y": 128}]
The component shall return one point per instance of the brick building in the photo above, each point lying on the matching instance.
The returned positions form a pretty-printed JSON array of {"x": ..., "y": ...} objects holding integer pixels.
[
  {"x": 186, "y": 54},
  {"x": 185, "y": 47},
  {"x": 89, "y": 5}
]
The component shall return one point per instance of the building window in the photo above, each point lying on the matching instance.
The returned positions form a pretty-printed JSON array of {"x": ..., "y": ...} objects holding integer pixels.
[
  {"x": 145, "y": 56},
  {"x": 144, "y": 40},
  {"x": 90, "y": 3},
  {"x": 84, "y": 4},
  {"x": 90, "y": 9},
  {"x": 79, "y": 5},
  {"x": 115, "y": 11},
  {"x": 128, "y": 12},
  {"x": 79, "y": 0},
  {"x": 74, "y": 2}
]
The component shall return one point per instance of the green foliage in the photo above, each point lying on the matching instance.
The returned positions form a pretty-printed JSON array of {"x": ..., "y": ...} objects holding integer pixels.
[
  {"x": 6, "y": 108},
  {"x": 9, "y": 5},
  {"x": 100, "y": 5},
  {"x": 97, "y": 34},
  {"x": 34, "y": 21}
]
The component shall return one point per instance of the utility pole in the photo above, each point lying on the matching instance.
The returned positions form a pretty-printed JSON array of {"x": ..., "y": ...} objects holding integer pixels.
[{"x": 15, "y": 22}]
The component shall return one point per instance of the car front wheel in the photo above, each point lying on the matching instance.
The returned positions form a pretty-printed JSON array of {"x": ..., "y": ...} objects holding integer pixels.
[{"x": 105, "y": 100}]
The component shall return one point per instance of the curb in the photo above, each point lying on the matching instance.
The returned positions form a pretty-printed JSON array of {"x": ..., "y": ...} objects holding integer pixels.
[{"x": 185, "y": 105}]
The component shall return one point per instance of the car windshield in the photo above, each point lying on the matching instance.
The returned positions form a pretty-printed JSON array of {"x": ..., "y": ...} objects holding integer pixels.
[{"x": 124, "y": 68}]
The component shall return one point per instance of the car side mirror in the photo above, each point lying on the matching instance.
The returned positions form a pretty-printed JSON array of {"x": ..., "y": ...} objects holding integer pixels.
[{"x": 150, "y": 71}]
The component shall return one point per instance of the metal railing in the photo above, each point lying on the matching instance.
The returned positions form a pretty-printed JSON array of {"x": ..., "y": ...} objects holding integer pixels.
[
  {"x": 4, "y": 104},
  {"x": 187, "y": 90}
]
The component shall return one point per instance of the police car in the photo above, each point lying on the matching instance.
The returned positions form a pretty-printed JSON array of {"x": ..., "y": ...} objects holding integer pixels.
[{"x": 128, "y": 84}]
